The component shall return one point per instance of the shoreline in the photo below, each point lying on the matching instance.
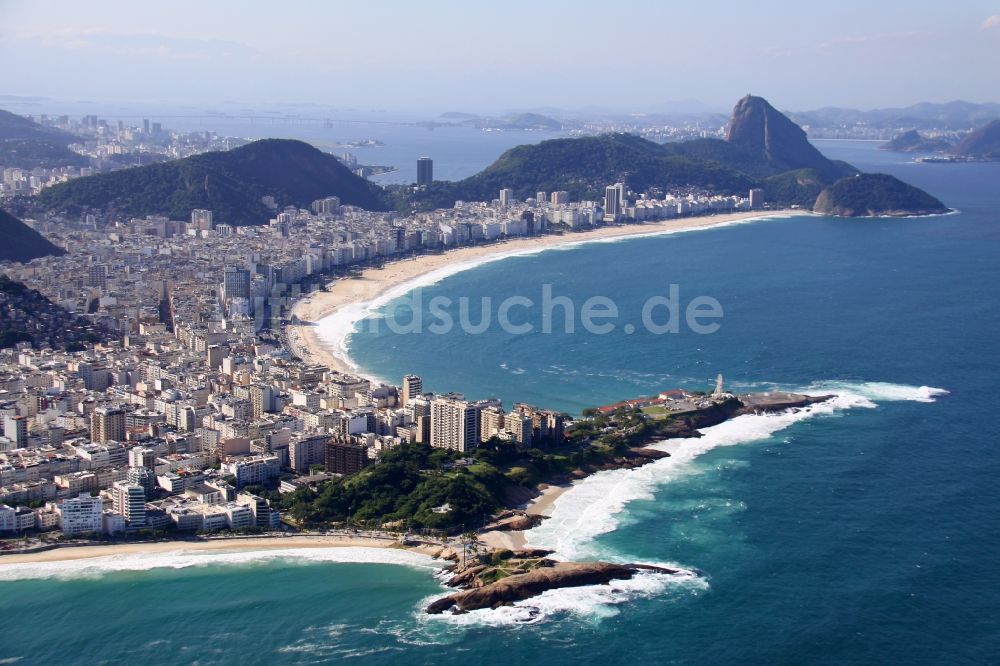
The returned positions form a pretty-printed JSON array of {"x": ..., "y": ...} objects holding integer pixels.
[
  {"x": 71, "y": 552},
  {"x": 328, "y": 317},
  {"x": 542, "y": 505}
]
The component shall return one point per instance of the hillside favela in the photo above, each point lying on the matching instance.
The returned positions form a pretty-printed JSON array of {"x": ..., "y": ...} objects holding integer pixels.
[{"x": 394, "y": 333}]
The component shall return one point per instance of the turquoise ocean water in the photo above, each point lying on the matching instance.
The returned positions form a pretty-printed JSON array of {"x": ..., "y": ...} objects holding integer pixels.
[{"x": 860, "y": 532}]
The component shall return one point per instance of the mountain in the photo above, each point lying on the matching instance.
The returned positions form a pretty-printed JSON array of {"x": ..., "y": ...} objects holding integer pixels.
[
  {"x": 763, "y": 131},
  {"x": 13, "y": 126},
  {"x": 28, "y": 316},
  {"x": 583, "y": 167},
  {"x": 763, "y": 149},
  {"x": 983, "y": 143},
  {"x": 230, "y": 183},
  {"x": 873, "y": 194},
  {"x": 914, "y": 142},
  {"x": 956, "y": 115},
  {"x": 21, "y": 242},
  {"x": 26, "y": 144},
  {"x": 531, "y": 121}
]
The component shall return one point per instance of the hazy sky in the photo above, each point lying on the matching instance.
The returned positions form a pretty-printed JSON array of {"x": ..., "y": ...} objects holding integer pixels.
[{"x": 467, "y": 55}]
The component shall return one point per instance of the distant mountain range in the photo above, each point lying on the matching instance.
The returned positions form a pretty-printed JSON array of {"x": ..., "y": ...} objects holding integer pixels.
[
  {"x": 22, "y": 243},
  {"x": 231, "y": 184},
  {"x": 957, "y": 115},
  {"x": 26, "y": 144},
  {"x": 516, "y": 121}
]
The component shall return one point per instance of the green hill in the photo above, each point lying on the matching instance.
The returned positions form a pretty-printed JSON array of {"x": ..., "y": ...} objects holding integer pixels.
[
  {"x": 28, "y": 316},
  {"x": 583, "y": 167},
  {"x": 231, "y": 184},
  {"x": 22, "y": 243},
  {"x": 872, "y": 194},
  {"x": 763, "y": 149},
  {"x": 983, "y": 143},
  {"x": 26, "y": 144}
]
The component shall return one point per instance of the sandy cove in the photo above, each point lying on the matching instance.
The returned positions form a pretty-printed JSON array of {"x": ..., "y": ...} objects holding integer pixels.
[
  {"x": 237, "y": 544},
  {"x": 373, "y": 283}
]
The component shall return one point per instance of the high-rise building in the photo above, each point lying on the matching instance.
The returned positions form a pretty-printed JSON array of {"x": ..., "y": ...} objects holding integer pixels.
[
  {"x": 614, "y": 202},
  {"x": 519, "y": 427},
  {"x": 425, "y": 171},
  {"x": 107, "y": 424},
  {"x": 141, "y": 456},
  {"x": 541, "y": 197},
  {"x": 15, "y": 428},
  {"x": 81, "y": 515},
  {"x": 145, "y": 125},
  {"x": 756, "y": 197},
  {"x": 560, "y": 197},
  {"x": 262, "y": 469},
  {"x": 129, "y": 500},
  {"x": 261, "y": 400},
  {"x": 454, "y": 424},
  {"x": 201, "y": 219},
  {"x": 412, "y": 387},
  {"x": 97, "y": 276},
  {"x": 235, "y": 283},
  {"x": 491, "y": 423},
  {"x": 506, "y": 197},
  {"x": 345, "y": 457},
  {"x": 305, "y": 451},
  {"x": 418, "y": 411},
  {"x": 142, "y": 476},
  {"x": 326, "y": 206}
]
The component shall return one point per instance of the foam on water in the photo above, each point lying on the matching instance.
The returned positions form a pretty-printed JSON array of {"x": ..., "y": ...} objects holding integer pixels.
[
  {"x": 94, "y": 567},
  {"x": 591, "y": 602},
  {"x": 878, "y": 390},
  {"x": 593, "y": 506}
]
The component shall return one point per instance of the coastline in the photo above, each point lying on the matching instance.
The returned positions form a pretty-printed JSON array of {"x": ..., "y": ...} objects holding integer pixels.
[
  {"x": 69, "y": 552},
  {"x": 542, "y": 505},
  {"x": 328, "y": 317}
]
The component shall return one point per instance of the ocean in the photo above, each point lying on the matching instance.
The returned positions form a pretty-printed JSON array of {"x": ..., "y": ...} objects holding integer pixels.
[{"x": 863, "y": 530}]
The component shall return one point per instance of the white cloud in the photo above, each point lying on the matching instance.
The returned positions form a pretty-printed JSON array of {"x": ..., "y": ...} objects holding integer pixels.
[{"x": 991, "y": 23}]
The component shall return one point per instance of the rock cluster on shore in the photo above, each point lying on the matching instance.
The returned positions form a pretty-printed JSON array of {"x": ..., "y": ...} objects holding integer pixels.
[{"x": 527, "y": 574}]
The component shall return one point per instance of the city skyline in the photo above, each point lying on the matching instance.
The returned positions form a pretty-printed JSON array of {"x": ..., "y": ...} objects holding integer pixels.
[{"x": 462, "y": 58}]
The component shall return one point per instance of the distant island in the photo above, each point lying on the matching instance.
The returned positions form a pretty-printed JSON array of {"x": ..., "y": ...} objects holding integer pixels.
[
  {"x": 876, "y": 194},
  {"x": 914, "y": 142}
]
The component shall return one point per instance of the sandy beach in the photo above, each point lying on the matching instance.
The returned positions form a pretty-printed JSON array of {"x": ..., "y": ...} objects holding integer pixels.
[
  {"x": 350, "y": 297},
  {"x": 539, "y": 506},
  {"x": 69, "y": 553}
]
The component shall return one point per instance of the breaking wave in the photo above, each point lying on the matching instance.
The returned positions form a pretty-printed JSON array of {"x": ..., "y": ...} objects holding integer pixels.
[
  {"x": 96, "y": 567},
  {"x": 592, "y": 507}
]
